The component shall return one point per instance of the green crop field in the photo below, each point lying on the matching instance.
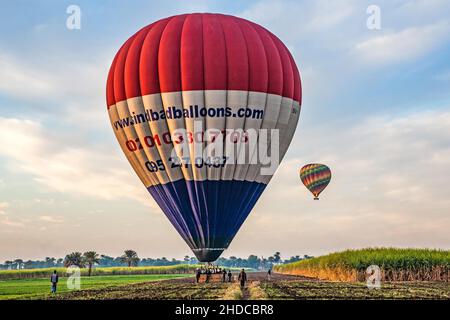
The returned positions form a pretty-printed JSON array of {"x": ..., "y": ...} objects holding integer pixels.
[
  {"x": 395, "y": 264},
  {"x": 44, "y": 272},
  {"x": 37, "y": 288}
]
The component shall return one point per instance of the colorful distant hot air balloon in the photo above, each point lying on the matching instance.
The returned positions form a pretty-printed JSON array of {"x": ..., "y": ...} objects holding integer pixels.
[
  {"x": 223, "y": 72},
  {"x": 315, "y": 177}
]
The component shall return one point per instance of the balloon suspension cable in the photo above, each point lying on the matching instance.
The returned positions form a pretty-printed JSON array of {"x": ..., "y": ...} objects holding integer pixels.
[{"x": 208, "y": 264}]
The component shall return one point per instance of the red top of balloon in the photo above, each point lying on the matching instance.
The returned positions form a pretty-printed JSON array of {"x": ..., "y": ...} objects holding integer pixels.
[{"x": 202, "y": 51}]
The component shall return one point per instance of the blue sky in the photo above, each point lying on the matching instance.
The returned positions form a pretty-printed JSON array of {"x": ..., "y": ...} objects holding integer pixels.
[{"x": 376, "y": 108}]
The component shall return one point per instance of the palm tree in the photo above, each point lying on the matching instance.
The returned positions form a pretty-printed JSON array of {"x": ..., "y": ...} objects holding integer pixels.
[
  {"x": 264, "y": 263},
  {"x": 50, "y": 262},
  {"x": 18, "y": 263},
  {"x": 8, "y": 264},
  {"x": 233, "y": 261},
  {"x": 193, "y": 260},
  {"x": 130, "y": 257},
  {"x": 106, "y": 260},
  {"x": 276, "y": 257},
  {"x": 28, "y": 264},
  {"x": 74, "y": 259},
  {"x": 91, "y": 257}
]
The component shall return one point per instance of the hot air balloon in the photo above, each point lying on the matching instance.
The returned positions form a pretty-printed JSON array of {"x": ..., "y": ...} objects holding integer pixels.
[
  {"x": 315, "y": 177},
  {"x": 200, "y": 73}
]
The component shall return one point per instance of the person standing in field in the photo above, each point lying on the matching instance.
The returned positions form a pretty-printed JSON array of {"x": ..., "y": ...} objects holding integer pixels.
[
  {"x": 197, "y": 275},
  {"x": 242, "y": 278},
  {"x": 229, "y": 275},
  {"x": 224, "y": 275},
  {"x": 54, "y": 281},
  {"x": 269, "y": 273}
]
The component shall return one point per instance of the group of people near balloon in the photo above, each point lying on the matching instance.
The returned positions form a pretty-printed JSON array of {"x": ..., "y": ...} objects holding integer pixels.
[{"x": 210, "y": 270}]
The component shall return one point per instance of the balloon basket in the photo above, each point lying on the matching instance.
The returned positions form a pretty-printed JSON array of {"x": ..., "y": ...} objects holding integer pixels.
[
  {"x": 212, "y": 278},
  {"x": 211, "y": 273},
  {"x": 315, "y": 198}
]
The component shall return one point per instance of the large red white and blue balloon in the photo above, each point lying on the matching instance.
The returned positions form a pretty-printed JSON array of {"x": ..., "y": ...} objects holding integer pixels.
[{"x": 223, "y": 72}]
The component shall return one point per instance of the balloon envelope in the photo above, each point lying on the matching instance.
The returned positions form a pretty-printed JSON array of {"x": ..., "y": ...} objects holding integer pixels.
[
  {"x": 202, "y": 73},
  {"x": 315, "y": 177}
]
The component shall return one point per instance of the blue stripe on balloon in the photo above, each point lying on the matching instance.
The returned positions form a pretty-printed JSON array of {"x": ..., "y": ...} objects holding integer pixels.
[{"x": 207, "y": 214}]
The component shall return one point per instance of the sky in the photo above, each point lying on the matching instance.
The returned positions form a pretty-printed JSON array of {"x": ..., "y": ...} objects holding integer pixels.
[{"x": 376, "y": 109}]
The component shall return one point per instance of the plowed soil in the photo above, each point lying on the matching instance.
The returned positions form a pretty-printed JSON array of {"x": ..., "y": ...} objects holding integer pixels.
[{"x": 277, "y": 287}]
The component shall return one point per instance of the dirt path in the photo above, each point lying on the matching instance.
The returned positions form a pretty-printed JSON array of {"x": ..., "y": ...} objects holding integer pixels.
[{"x": 245, "y": 293}]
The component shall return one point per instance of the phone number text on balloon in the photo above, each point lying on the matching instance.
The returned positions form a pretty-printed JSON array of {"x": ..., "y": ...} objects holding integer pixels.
[
  {"x": 228, "y": 136},
  {"x": 177, "y": 162}
]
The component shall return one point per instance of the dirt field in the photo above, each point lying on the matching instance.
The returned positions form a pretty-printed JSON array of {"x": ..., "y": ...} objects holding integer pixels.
[{"x": 259, "y": 287}]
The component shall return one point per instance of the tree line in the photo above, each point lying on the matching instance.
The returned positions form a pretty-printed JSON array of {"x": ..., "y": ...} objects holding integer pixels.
[{"x": 130, "y": 258}]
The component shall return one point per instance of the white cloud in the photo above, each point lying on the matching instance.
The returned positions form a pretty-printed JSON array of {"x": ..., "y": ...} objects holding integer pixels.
[
  {"x": 405, "y": 45},
  {"x": 427, "y": 9},
  {"x": 3, "y": 206},
  {"x": 76, "y": 87},
  {"x": 17, "y": 80},
  {"x": 291, "y": 20},
  {"x": 332, "y": 37},
  {"x": 59, "y": 166},
  {"x": 51, "y": 219},
  {"x": 5, "y": 219},
  {"x": 50, "y": 201},
  {"x": 62, "y": 79},
  {"x": 326, "y": 14},
  {"x": 11, "y": 223}
]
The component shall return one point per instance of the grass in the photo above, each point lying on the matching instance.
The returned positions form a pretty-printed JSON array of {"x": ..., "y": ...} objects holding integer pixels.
[
  {"x": 256, "y": 292},
  {"x": 233, "y": 292},
  {"x": 45, "y": 272},
  {"x": 395, "y": 264},
  {"x": 104, "y": 271},
  {"x": 37, "y": 288}
]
